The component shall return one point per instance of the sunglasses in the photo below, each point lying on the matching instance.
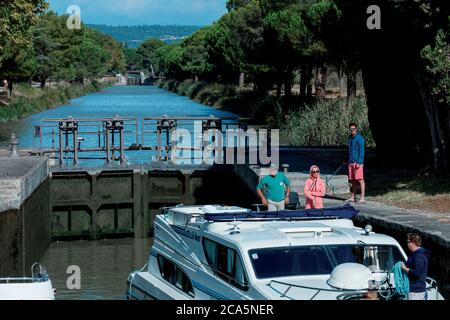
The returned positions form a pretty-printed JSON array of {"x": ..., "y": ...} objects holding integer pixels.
[{"x": 315, "y": 171}]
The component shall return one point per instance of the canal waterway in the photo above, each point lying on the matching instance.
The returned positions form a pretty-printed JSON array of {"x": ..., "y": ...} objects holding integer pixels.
[
  {"x": 126, "y": 101},
  {"x": 104, "y": 267}
]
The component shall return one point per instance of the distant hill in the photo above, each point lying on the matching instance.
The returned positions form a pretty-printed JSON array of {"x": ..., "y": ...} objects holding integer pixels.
[{"x": 133, "y": 36}]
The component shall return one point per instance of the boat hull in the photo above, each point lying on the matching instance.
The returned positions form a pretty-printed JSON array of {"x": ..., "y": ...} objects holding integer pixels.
[{"x": 27, "y": 291}]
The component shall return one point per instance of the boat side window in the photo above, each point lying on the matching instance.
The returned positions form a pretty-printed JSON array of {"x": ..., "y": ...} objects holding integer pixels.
[
  {"x": 174, "y": 275},
  {"x": 290, "y": 261},
  {"x": 376, "y": 257},
  {"x": 226, "y": 263}
]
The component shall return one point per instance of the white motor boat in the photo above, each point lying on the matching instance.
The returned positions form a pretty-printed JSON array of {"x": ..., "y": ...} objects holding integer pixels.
[
  {"x": 230, "y": 253},
  {"x": 36, "y": 287}
]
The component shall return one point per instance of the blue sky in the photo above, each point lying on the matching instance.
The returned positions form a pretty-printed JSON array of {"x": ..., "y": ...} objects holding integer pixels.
[{"x": 137, "y": 12}]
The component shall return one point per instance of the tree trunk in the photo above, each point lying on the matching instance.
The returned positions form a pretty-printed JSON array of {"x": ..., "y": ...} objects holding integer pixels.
[
  {"x": 241, "y": 80},
  {"x": 438, "y": 141},
  {"x": 351, "y": 84},
  {"x": 288, "y": 83},
  {"x": 323, "y": 80},
  {"x": 310, "y": 77},
  {"x": 43, "y": 80},
  {"x": 10, "y": 88},
  {"x": 303, "y": 79},
  {"x": 341, "y": 79},
  {"x": 279, "y": 85},
  {"x": 153, "y": 71}
]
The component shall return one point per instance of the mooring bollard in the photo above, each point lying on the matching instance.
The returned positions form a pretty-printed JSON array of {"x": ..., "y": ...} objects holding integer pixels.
[
  {"x": 14, "y": 143},
  {"x": 285, "y": 167}
]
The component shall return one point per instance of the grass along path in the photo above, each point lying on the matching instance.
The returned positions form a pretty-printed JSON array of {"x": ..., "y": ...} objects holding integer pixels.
[
  {"x": 409, "y": 191},
  {"x": 27, "y": 100}
]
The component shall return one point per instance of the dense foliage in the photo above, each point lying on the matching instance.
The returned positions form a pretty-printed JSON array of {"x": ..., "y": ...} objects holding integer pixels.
[{"x": 44, "y": 48}]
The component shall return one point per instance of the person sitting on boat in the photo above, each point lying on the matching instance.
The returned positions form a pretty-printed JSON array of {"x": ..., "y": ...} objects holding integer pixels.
[
  {"x": 274, "y": 189},
  {"x": 314, "y": 189}
]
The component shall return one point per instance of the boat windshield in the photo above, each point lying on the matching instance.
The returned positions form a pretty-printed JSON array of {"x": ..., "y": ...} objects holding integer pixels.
[{"x": 320, "y": 260}]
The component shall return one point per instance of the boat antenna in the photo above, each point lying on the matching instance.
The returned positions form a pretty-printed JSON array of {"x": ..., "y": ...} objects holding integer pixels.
[{"x": 235, "y": 224}]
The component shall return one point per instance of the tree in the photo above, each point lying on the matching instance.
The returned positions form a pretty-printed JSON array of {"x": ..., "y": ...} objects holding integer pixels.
[
  {"x": 224, "y": 51},
  {"x": 45, "y": 46},
  {"x": 16, "y": 19},
  {"x": 250, "y": 30},
  {"x": 92, "y": 60},
  {"x": 133, "y": 59},
  {"x": 290, "y": 40},
  {"x": 435, "y": 93},
  {"x": 437, "y": 66},
  {"x": 147, "y": 51},
  {"x": 170, "y": 60},
  {"x": 235, "y": 4},
  {"x": 117, "y": 63},
  {"x": 196, "y": 55}
]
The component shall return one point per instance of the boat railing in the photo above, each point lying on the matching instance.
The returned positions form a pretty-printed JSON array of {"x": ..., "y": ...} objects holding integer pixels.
[
  {"x": 284, "y": 294},
  {"x": 41, "y": 276},
  {"x": 191, "y": 216},
  {"x": 185, "y": 218},
  {"x": 432, "y": 284},
  {"x": 22, "y": 280}
]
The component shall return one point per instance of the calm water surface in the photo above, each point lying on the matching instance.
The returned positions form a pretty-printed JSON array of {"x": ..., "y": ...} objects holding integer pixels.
[
  {"x": 104, "y": 265},
  {"x": 125, "y": 101}
]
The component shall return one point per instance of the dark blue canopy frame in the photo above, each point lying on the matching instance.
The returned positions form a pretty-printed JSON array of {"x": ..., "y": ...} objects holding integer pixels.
[{"x": 346, "y": 212}]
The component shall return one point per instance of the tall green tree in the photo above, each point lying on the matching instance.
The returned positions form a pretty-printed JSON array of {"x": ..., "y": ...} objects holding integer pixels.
[
  {"x": 435, "y": 92},
  {"x": 248, "y": 25},
  {"x": 171, "y": 60},
  {"x": 147, "y": 51},
  {"x": 196, "y": 59},
  {"x": 235, "y": 4},
  {"x": 17, "y": 17},
  {"x": 45, "y": 47},
  {"x": 133, "y": 59},
  {"x": 289, "y": 39},
  {"x": 224, "y": 50},
  {"x": 16, "y": 20}
]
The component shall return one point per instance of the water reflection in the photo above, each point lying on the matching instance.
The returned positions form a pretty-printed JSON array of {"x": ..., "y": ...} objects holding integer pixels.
[{"x": 105, "y": 266}]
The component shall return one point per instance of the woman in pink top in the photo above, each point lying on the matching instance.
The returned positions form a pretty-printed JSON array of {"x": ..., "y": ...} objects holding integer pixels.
[{"x": 314, "y": 189}]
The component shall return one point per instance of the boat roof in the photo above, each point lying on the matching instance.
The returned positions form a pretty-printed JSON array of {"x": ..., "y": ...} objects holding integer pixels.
[
  {"x": 271, "y": 234},
  {"x": 250, "y": 230}
]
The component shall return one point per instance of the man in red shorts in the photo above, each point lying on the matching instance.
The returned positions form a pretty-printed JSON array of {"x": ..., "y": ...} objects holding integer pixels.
[{"x": 356, "y": 162}]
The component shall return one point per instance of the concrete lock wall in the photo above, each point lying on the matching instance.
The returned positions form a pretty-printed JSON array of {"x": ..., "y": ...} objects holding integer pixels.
[
  {"x": 92, "y": 204},
  {"x": 439, "y": 264},
  {"x": 25, "y": 233}
]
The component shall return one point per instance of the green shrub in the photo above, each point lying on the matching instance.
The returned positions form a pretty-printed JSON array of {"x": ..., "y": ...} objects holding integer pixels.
[
  {"x": 185, "y": 87},
  {"x": 320, "y": 122},
  {"x": 31, "y": 100},
  {"x": 325, "y": 123}
]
